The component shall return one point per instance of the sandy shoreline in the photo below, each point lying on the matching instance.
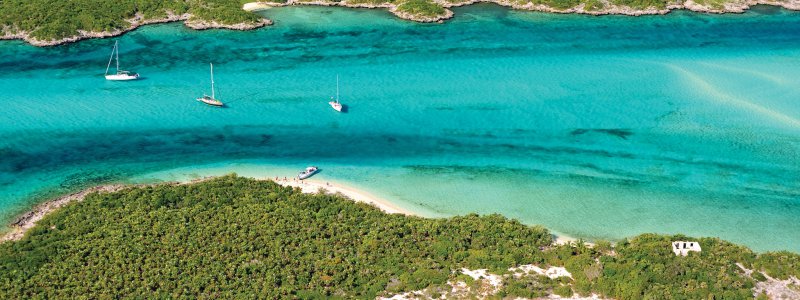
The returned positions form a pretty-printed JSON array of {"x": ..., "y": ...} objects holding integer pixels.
[{"x": 311, "y": 186}]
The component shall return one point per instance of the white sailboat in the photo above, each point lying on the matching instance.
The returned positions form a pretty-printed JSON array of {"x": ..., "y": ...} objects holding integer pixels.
[
  {"x": 121, "y": 75},
  {"x": 335, "y": 102},
  {"x": 210, "y": 100}
]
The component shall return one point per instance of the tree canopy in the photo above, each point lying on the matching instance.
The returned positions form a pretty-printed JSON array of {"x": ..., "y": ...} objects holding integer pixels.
[
  {"x": 237, "y": 237},
  {"x": 48, "y": 20}
]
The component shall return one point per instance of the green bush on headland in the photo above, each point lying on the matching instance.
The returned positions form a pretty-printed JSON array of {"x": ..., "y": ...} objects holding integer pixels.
[
  {"x": 425, "y": 8},
  {"x": 49, "y": 20},
  {"x": 236, "y": 237},
  {"x": 642, "y": 4}
]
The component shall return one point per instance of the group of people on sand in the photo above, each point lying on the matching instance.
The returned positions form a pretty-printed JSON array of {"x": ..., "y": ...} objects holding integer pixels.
[{"x": 294, "y": 179}]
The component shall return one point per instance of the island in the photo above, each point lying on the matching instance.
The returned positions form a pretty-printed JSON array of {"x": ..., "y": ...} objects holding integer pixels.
[
  {"x": 236, "y": 237},
  {"x": 48, "y": 23}
]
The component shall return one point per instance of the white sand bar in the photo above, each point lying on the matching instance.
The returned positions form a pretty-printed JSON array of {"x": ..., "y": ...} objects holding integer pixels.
[{"x": 255, "y": 6}]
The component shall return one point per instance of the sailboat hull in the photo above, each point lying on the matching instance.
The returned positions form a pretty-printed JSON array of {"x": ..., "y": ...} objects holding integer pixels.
[
  {"x": 211, "y": 102},
  {"x": 122, "y": 77},
  {"x": 336, "y": 106}
]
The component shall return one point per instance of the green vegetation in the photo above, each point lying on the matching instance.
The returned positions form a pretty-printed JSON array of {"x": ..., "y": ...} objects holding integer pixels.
[
  {"x": 642, "y": 4},
  {"x": 558, "y": 4},
  {"x": 780, "y": 265},
  {"x": 715, "y": 4},
  {"x": 48, "y": 20},
  {"x": 647, "y": 266},
  {"x": 53, "y": 20},
  {"x": 237, "y": 237},
  {"x": 371, "y": 2},
  {"x": 594, "y": 5},
  {"x": 234, "y": 237},
  {"x": 424, "y": 8}
]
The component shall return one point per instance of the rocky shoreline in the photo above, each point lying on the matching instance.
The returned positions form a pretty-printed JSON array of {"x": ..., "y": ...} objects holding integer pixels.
[
  {"x": 608, "y": 8},
  {"x": 26, "y": 221},
  {"x": 255, "y": 6},
  {"x": 612, "y": 9},
  {"x": 135, "y": 23}
]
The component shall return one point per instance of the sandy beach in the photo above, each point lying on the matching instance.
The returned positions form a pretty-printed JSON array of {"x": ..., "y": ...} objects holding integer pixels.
[{"x": 314, "y": 186}]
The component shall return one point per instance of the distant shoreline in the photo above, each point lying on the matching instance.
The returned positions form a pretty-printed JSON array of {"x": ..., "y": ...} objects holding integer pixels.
[
  {"x": 28, "y": 220},
  {"x": 608, "y": 8},
  {"x": 135, "y": 22}
]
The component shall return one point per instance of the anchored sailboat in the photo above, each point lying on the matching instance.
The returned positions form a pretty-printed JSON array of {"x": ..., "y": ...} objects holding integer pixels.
[
  {"x": 121, "y": 75},
  {"x": 210, "y": 100},
  {"x": 335, "y": 102}
]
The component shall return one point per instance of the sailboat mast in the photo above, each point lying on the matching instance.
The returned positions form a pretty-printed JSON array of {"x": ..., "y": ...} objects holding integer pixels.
[
  {"x": 110, "y": 58},
  {"x": 116, "y": 48},
  {"x": 212, "y": 80},
  {"x": 337, "y": 88}
]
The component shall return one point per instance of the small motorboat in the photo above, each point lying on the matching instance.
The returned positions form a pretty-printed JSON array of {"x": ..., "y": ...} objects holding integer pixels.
[{"x": 307, "y": 173}]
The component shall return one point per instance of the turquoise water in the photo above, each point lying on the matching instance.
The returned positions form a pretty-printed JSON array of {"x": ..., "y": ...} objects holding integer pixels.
[{"x": 596, "y": 127}]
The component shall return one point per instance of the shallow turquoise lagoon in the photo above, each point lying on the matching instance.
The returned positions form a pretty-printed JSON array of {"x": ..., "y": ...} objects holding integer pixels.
[{"x": 596, "y": 127}]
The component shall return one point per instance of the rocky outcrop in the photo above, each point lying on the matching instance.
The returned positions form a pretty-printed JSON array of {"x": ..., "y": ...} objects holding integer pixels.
[
  {"x": 203, "y": 25},
  {"x": 423, "y": 19}
]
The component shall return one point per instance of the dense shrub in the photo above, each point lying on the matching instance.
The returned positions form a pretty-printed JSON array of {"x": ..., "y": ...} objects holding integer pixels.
[
  {"x": 48, "y": 20},
  {"x": 233, "y": 237}
]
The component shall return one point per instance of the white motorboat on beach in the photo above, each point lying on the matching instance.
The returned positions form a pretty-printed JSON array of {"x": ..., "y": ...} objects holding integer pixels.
[
  {"x": 307, "y": 173},
  {"x": 210, "y": 100},
  {"x": 335, "y": 102},
  {"x": 121, "y": 75}
]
